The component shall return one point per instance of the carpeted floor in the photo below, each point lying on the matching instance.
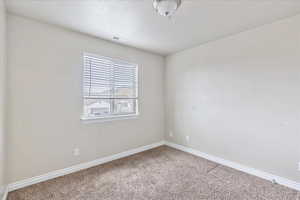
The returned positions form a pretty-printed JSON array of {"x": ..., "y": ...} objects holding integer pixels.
[{"x": 159, "y": 174}]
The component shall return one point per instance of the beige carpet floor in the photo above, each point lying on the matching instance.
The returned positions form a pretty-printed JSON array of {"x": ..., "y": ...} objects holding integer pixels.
[{"x": 158, "y": 174}]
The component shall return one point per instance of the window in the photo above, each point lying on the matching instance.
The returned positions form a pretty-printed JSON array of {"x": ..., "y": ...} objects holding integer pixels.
[{"x": 110, "y": 88}]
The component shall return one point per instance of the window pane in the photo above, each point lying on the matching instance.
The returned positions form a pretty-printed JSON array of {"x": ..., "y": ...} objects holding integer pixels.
[
  {"x": 97, "y": 107},
  {"x": 125, "y": 92},
  {"x": 104, "y": 91},
  {"x": 110, "y": 87},
  {"x": 124, "y": 106}
]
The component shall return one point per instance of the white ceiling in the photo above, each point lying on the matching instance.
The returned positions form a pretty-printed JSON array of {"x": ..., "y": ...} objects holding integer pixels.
[{"x": 137, "y": 24}]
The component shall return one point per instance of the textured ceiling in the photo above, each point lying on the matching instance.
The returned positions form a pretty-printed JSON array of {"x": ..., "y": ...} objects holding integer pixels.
[{"x": 136, "y": 23}]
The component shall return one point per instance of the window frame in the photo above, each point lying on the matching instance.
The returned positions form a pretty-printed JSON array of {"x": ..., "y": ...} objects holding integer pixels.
[{"x": 111, "y": 117}]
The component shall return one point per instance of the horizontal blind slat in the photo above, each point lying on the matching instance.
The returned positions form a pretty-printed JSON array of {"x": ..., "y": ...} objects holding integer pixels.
[{"x": 105, "y": 77}]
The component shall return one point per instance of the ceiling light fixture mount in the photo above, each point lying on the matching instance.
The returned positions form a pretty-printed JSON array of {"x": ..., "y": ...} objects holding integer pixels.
[{"x": 166, "y": 8}]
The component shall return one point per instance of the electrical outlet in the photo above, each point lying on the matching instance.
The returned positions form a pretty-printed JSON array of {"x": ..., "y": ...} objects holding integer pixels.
[
  {"x": 76, "y": 152},
  {"x": 171, "y": 133},
  {"x": 187, "y": 138}
]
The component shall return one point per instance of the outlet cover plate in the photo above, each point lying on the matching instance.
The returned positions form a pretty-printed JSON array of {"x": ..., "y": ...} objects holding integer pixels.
[{"x": 187, "y": 138}]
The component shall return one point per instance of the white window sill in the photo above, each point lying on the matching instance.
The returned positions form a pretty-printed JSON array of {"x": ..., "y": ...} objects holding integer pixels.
[{"x": 87, "y": 120}]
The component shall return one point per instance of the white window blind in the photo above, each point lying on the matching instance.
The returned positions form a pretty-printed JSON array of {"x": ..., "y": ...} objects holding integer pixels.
[{"x": 110, "y": 87}]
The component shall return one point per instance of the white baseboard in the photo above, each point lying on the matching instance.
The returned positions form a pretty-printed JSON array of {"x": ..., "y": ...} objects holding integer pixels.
[
  {"x": 3, "y": 193},
  {"x": 62, "y": 172},
  {"x": 280, "y": 180},
  {"x": 234, "y": 165}
]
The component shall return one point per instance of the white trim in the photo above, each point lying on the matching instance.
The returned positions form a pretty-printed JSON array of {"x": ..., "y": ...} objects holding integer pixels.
[
  {"x": 86, "y": 120},
  {"x": 113, "y": 59},
  {"x": 27, "y": 182},
  {"x": 265, "y": 175},
  {"x": 4, "y": 192},
  {"x": 75, "y": 168}
]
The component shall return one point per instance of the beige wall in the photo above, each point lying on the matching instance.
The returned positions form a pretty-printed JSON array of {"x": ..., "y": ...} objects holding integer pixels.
[
  {"x": 238, "y": 98},
  {"x": 2, "y": 94},
  {"x": 45, "y": 69}
]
